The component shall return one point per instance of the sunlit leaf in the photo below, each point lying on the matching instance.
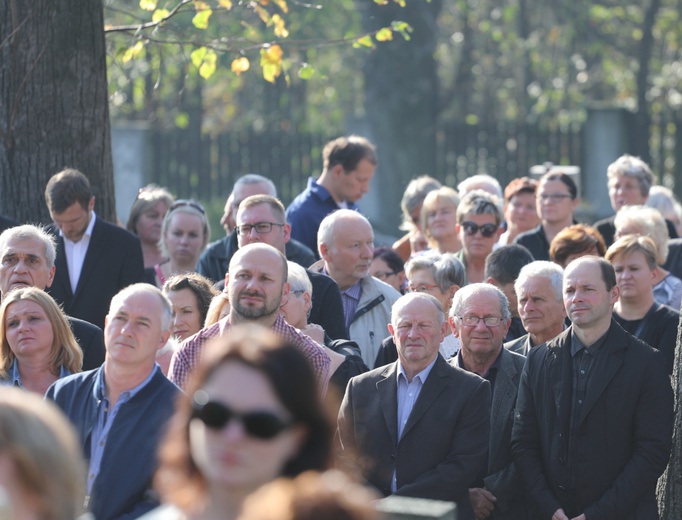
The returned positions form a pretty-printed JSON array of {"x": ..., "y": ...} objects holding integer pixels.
[
  {"x": 227, "y": 4},
  {"x": 209, "y": 64},
  {"x": 306, "y": 72},
  {"x": 133, "y": 52},
  {"x": 271, "y": 62},
  {"x": 364, "y": 41},
  {"x": 200, "y": 20},
  {"x": 280, "y": 29},
  {"x": 240, "y": 65},
  {"x": 182, "y": 120},
  {"x": 403, "y": 28},
  {"x": 385, "y": 34},
  {"x": 197, "y": 56},
  {"x": 471, "y": 119},
  {"x": 160, "y": 14},
  {"x": 401, "y": 3},
  {"x": 262, "y": 13},
  {"x": 381, "y": 2},
  {"x": 199, "y": 5},
  {"x": 282, "y": 4},
  {"x": 148, "y": 5}
]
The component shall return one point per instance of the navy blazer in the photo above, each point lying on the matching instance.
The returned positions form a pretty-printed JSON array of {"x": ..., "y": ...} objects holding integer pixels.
[
  {"x": 113, "y": 261},
  {"x": 623, "y": 433},
  {"x": 444, "y": 443}
]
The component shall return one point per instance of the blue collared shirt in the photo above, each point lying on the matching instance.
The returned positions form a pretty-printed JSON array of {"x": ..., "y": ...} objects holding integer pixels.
[
  {"x": 308, "y": 209},
  {"x": 105, "y": 419},
  {"x": 14, "y": 378},
  {"x": 408, "y": 393}
]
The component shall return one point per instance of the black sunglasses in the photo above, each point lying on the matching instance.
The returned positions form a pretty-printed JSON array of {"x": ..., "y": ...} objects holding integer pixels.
[
  {"x": 186, "y": 202},
  {"x": 471, "y": 228},
  {"x": 215, "y": 415}
]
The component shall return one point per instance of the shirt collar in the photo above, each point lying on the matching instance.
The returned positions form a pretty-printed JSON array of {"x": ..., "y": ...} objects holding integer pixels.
[
  {"x": 421, "y": 375},
  {"x": 577, "y": 345},
  {"x": 101, "y": 389},
  {"x": 15, "y": 378}
]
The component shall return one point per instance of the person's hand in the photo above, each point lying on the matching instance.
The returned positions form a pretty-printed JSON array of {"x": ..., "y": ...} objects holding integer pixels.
[
  {"x": 559, "y": 515},
  {"x": 483, "y": 502},
  {"x": 315, "y": 332},
  {"x": 581, "y": 517}
]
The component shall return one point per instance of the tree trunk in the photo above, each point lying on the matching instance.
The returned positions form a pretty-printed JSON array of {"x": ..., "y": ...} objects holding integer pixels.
[
  {"x": 401, "y": 101},
  {"x": 669, "y": 489},
  {"x": 54, "y": 110}
]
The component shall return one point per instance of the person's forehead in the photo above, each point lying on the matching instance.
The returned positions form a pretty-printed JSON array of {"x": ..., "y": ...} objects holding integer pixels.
[
  {"x": 622, "y": 178},
  {"x": 555, "y": 185},
  {"x": 481, "y": 299},
  {"x": 535, "y": 284},
  {"x": 480, "y": 218},
  {"x": 422, "y": 274},
  {"x": 139, "y": 304},
  {"x": 583, "y": 273},
  {"x": 25, "y": 246},
  {"x": 255, "y": 214},
  {"x": 417, "y": 310},
  {"x": 353, "y": 229},
  {"x": 258, "y": 261}
]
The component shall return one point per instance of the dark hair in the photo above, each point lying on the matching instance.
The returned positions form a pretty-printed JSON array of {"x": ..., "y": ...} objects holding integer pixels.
[
  {"x": 348, "y": 152},
  {"x": 558, "y": 175},
  {"x": 518, "y": 186},
  {"x": 178, "y": 479},
  {"x": 201, "y": 287},
  {"x": 65, "y": 188},
  {"x": 504, "y": 263},
  {"x": 392, "y": 259},
  {"x": 573, "y": 240}
]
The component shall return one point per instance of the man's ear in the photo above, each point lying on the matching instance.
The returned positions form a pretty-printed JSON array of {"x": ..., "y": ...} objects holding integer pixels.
[
  {"x": 453, "y": 326},
  {"x": 91, "y": 204},
  {"x": 50, "y": 279},
  {"x": 227, "y": 279},
  {"x": 324, "y": 251}
]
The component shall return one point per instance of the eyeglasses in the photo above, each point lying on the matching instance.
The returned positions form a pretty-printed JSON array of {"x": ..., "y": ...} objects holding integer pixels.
[
  {"x": 215, "y": 415},
  {"x": 471, "y": 228},
  {"x": 420, "y": 288},
  {"x": 472, "y": 321},
  {"x": 187, "y": 202},
  {"x": 261, "y": 228},
  {"x": 554, "y": 197},
  {"x": 382, "y": 275}
]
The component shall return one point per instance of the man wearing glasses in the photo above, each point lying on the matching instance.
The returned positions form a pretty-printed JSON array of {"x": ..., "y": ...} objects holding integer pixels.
[
  {"x": 478, "y": 224},
  {"x": 260, "y": 218},
  {"x": 556, "y": 199},
  {"x": 420, "y": 425},
  {"x": 95, "y": 259},
  {"x": 480, "y": 318}
]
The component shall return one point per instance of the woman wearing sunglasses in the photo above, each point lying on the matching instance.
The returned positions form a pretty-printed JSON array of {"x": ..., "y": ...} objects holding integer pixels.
[
  {"x": 184, "y": 234},
  {"x": 225, "y": 442}
]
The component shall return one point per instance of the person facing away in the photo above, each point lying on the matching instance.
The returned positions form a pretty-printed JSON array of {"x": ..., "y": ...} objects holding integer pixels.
[
  {"x": 348, "y": 164},
  {"x": 480, "y": 317},
  {"x": 120, "y": 409},
  {"x": 95, "y": 259},
  {"x": 27, "y": 259},
  {"x": 418, "y": 427},
  {"x": 594, "y": 415}
]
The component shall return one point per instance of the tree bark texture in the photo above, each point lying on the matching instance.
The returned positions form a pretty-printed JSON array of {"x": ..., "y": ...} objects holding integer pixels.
[
  {"x": 401, "y": 98},
  {"x": 669, "y": 489},
  {"x": 54, "y": 110}
]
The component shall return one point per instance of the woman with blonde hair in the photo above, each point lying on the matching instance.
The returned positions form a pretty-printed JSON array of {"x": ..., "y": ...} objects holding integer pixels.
[
  {"x": 439, "y": 220},
  {"x": 38, "y": 346},
  {"x": 145, "y": 220},
  {"x": 41, "y": 468}
]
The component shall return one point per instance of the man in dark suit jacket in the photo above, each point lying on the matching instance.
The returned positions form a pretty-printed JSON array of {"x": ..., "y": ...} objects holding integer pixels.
[
  {"x": 497, "y": 494},
  {"x": 419, "y": 426},
  {"x": 95, "y": 259},
  {"x": 593, "y": 426},
  {"x": 27, "y": 256}
]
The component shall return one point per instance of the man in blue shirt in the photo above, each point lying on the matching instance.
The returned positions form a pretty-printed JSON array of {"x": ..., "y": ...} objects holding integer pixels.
[
  {"x": 348, "y": 166},
  {"x": 120, "y": 409}
]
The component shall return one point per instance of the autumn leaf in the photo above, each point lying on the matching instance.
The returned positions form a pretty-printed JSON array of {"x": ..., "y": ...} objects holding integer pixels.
[
  {"x": 403, "y": 28},
  {"x": 197, "y": 56},
  {"x": 381, "y": 2},
  {"x": 306, "y": 72},
  {"x": 200, "y": 6},
  {"x": 133, "y": 52},
  {"x": 148, "y": 5},
  {"x": 280, "y": 29},
  {"x": 200, "y": 20},
  {"x": 282, "y": 4},
  {"x": 262, "y": 13},
  {"x": 160, "y": 14},
  {"x": 227, "y": 4},
  {"x": 208, "y": 66},
  {"x": 271, "y": 62},
  {"x": 240, "y": 65},
  {"x": 385, "y": 34},
  {"x": 364, "y": 41}
]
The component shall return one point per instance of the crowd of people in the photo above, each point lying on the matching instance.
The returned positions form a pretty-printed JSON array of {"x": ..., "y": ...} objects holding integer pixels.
[{"x": 499, "y": 355}]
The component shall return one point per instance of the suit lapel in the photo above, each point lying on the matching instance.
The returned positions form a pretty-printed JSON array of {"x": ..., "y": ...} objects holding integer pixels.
[
  {"x": 606, "y": 365},
  {"x": 504, "y": 398},
  {"x": 387, "y": 389},
  {"x": 95, "y": 247},
  {"x": 61, "y": 267},
  {"x": 430, "y": 391}
]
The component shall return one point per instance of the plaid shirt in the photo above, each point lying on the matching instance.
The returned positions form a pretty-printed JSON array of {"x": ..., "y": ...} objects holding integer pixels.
[{"x": 187, "y": 358}]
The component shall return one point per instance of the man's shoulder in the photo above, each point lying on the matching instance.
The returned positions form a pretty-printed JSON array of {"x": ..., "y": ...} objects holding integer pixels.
[
  {"x": 305, "y": 196},
  {"x": 202, "y": 336},
  {"x": 509, "y": 356},
  {"x": 82, "y": 327},
  {"x": 517, "y": 345},
  {"x": 530, "y": 236},
  {"x": 112, "y": 231},
  {"x": 66, "y": 387},
  {"x": 217, "y": 248},
  {"x": 375, "y": 375}
]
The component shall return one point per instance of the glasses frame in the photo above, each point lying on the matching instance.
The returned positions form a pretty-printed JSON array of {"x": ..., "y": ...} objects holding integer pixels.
[
  {"x": 471, "y": 228},
  {"x": 255, "y": 226},
  {"x": 496, "y": 319},
  {"x": 423, "y": 287}
]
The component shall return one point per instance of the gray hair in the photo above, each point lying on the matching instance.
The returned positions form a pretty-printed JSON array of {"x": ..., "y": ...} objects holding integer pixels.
[
  {"x": 407, "y": 298},
  {"x": 550, "y": 271},
  {"x": 325, "y": 233},
  {"x": 474, "y": 182},
  {"x": 445, "y": 268},
  {"x": 254, "y": 178},
  {"x": 30, "y": 232},
  {"x": 664, "y": 200},
  {"x": 479, "y": 202},
  {"x": 298, "y": 278},
  {"x": 633, "y": 167},
  {"x": 146, "y": 288},
  {"x": 649, "y": 222},
  {"x": 469, "y": 291}
]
